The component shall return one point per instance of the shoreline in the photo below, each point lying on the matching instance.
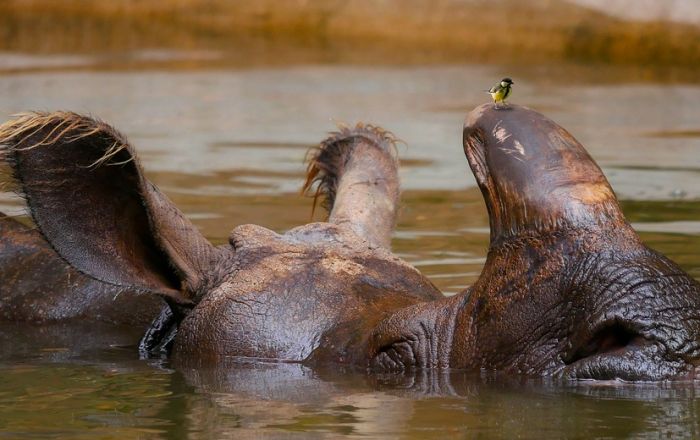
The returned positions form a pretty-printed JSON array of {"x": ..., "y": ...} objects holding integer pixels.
[{"x": 389, "y": 32}]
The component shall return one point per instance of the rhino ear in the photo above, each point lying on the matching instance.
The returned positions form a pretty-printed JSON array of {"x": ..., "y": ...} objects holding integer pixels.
[{"x": 87, "y": 195}]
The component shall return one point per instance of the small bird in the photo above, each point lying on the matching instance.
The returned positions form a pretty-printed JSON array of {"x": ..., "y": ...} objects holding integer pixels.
[{"x": 501, "y": 91}]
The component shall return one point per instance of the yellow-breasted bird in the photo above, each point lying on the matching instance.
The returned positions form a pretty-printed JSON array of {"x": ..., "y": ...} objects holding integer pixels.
[{"x": 501, "y": 91}]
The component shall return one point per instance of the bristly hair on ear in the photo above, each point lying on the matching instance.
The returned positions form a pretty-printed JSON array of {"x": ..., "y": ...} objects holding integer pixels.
[
  {"x": 64, "y": 125},
  {"x": 326, "y": 162},
  {"x": 66, "y": 165},
  {"x": 30, "y": 130}
]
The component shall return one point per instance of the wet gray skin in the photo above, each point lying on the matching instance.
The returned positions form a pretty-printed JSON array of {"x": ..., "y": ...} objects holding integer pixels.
[
  {"x": 312, "y": 294},
  {"x": 567, "y": 290},
  {"x": 29, "y": 268}
]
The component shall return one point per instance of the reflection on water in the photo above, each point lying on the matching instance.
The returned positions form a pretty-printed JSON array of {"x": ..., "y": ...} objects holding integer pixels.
[
  {"x": 228, "y": 146},
  {"x": 115, "y": 396}
]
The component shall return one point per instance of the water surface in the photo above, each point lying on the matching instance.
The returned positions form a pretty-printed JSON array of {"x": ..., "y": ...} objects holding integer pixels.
[{"x": 227, "y": 145}]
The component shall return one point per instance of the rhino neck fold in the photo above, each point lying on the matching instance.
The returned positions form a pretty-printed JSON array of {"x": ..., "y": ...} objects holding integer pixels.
[
  {"x": 524, "y": 274},
  {"x": 510, "y": 218},
  {"x": 419, "y": 336}
]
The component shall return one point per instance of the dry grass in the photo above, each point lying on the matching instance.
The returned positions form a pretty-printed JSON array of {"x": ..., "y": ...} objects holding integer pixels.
[{"x": 391, "y": 30}]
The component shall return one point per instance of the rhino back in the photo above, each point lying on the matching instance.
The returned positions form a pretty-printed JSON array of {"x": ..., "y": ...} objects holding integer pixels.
[
  {"x": 293, "y": 299},
  {"x": 36, "y": 285}
]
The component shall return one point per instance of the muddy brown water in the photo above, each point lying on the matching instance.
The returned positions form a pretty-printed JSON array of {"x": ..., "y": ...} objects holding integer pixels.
[{"x": 227, "y": 145}]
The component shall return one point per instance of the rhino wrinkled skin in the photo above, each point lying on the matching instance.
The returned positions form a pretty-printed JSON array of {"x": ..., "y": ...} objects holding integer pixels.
[{"x": 568, "y": 289}]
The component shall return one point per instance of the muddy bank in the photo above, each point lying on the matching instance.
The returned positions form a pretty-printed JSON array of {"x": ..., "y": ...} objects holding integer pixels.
[{"x": 391, "y": 31}]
